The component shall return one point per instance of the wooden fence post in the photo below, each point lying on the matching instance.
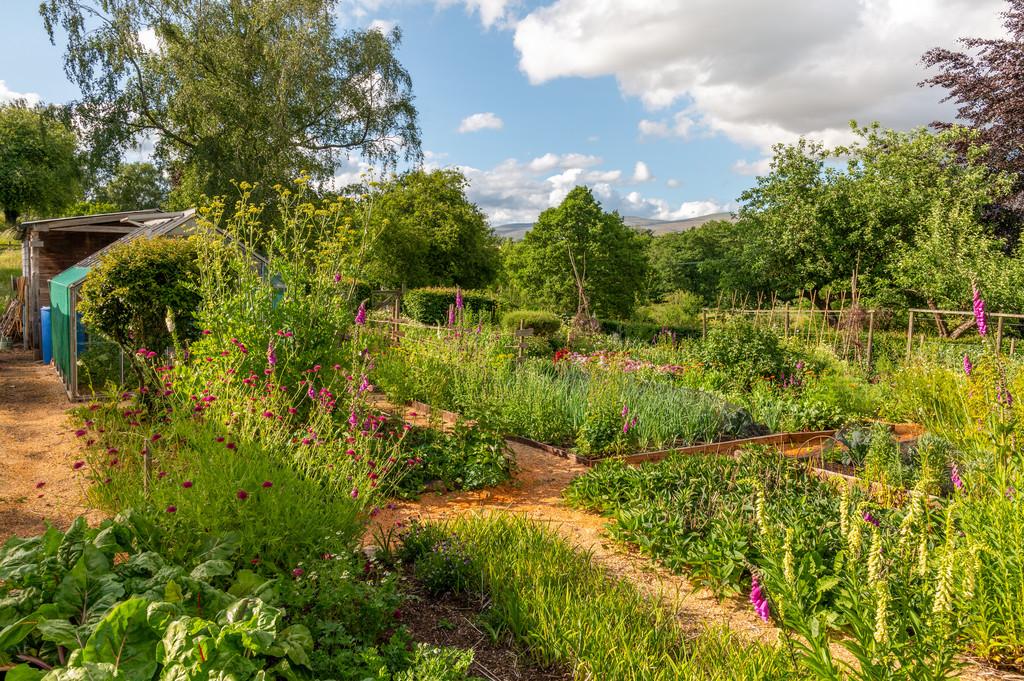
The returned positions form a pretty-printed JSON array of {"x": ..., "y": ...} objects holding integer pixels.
[
  {"x": 871, "y": 331},
  {"x": 910, "y": 334},
  {"x": 786, "y": 332},
  {"x": 999, "y": 335},
  {"x": 521, "y": 334}
]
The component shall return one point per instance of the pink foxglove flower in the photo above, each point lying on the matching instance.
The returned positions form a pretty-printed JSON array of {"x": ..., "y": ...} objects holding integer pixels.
[
  {"x": 459, "y": 303},
  {"x": 759, "y": 600},
  {"x": 968, "y": 367},
  {"x": 954, "y": 477},
  {"x": 979, "y": 312},
  {"x": 361, "y": 315},
  {"x": 271, "y": 354}
]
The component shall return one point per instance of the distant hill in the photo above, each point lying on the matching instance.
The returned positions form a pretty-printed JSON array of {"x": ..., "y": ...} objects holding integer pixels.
[{"x": 516, "y": 230}]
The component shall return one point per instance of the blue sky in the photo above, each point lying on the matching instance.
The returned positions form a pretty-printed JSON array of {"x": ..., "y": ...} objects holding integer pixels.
[{"x": 667, "y": 109}]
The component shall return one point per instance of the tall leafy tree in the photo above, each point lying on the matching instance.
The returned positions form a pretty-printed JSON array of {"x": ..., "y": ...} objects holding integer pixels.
[
  {"x": 577, "y": 254},
  {"x": 428, "y": 233},
  {"x": 39, "y": 166},
  {"x": 134, "y": 186},
  {"x": 248, "y": 90},
  {"x": 986, "y": 82}
]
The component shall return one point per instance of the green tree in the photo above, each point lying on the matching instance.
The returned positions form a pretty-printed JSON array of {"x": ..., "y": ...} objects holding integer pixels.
[
  {"x": 701, "y": 260},
  {"x": 578, "y": 256},
  {"x": 133, "y": 187},
  {"x": 429, "y": 234},
  {"x": 144, "y": 294},
  {"x": 39, "y": 169},
  {"x": 820, "y": 216},
  {"x": 249, "y": 90}
]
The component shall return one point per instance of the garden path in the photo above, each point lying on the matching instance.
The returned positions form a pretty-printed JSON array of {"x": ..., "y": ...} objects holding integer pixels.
[
  {"x": 37, "y": 450},
  {"x": 536, "y": 492}
]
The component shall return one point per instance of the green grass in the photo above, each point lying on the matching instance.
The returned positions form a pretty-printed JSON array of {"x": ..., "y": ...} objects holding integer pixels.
[
  {"x": 10, "y": 266},
  {"x": 567, "y": 612}
]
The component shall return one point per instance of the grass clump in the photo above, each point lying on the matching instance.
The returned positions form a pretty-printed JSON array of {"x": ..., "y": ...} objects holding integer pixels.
[{"x": 563, "y": 607}]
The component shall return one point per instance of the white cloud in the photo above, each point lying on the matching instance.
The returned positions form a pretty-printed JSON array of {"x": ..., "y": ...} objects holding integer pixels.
[
  {"x": 672, "y": 182},
  {"x": 680, "y": 126},
  {"x": 481, "y": 121},
  {"x": 641, "y": 173},
  {"x": 550, "y": 161},
  {"x": 757, "y": 72},
  {"x": 517, "y": 191},
  {"x": 758, "y": 167},
  {"x": 385, "y": 26},
  {"x": 9, "y": 95}
]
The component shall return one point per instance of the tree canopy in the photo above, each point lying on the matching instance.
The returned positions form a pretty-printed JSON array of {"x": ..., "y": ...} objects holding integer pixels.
[
  {"x": 248, "y": 90},
  {"x": 134, "y": 186},
  {"x": 39, "y": 169},
  {"x": 579, "y": 245},
  {"x": 427, "y": 233}
]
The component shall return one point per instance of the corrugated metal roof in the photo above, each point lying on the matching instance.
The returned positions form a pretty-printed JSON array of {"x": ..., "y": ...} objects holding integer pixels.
[
  {"x": 165, "y": 225},
  {"x": 118, "y": 218}
]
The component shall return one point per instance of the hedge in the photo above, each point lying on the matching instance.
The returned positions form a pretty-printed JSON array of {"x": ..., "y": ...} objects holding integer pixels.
[
  {"x": 644, "y": 331},
  {"x": 430, "y": 305},
  {"x": 542, "y": 323}
]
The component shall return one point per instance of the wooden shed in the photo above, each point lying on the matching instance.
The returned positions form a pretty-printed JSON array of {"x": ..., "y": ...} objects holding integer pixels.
[{"x": 51, "y": 246}]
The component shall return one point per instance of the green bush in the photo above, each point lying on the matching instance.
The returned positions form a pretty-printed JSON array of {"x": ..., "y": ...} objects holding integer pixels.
[
  {"x": 641, "y": 331},
  {"x": 430, "y": 305},
  {"x": 745, "y": 351},
  {"x": 542, "y": 323},
  {"x": 143, "y": 294}
]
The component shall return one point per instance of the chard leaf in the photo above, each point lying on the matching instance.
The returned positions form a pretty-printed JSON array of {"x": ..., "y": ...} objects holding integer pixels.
[
  {"x": 207, "y": 571},
  {"x": 86, "y": 672},
  {"x": 61, "y": 632},
  {"x": 295, "y": 643},
  {"x": 254, "y": 622},
  {"x": 124, "y": 639},
  {"x": 84, "y": 596},
  {"x": 23, "y": 673}
]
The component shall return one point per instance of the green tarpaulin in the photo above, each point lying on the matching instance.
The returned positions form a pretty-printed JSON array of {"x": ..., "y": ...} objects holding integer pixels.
[{"x": 62, "y": 321}]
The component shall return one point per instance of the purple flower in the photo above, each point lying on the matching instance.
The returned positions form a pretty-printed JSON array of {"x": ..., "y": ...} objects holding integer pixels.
[
  {"x": 954, "y": 477},
  {"x": 451, "y": 316},
  {"x": 759, "y": 600},
  {"x": 187, "y": 484},
  {"x": 361, "y": 314},
  {"x": 172, "y": 509},
  {"x": 337, "y": 278},
  {"x": 459, "y": 304},
  {"x": 870, "y": 519},
  {"x": 242, "y": 495},
  {"x": 625, "y": 411},
  {"x": 979, "y": 312},
  {"x": 267, "y": 484},
  {"x": 968, "y": 367},
  {"x": 271, "y": 355}
]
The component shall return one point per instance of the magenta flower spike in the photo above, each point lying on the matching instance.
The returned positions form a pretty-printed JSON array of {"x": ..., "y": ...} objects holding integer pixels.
[
  {"x": 979, "y": 312},
  {"x": 759, "y": 600},
  {"x": 954, "y": 477},
  {"x": 271, "y": 354},
  {"x": 451, "y": 316},
  {"x": 968, "y": 367},
  {"x": 361, "y": 315},
  {"x": 459, "y": 303}
]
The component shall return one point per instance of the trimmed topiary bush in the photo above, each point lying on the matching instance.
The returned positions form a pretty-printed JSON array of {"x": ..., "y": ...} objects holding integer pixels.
[
  {"x": 542, "y": 323},
  {"x": 430, "y": 305}
]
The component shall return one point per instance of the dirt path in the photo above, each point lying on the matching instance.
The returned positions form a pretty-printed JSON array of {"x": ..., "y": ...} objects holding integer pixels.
[
  {"x": 37, "y": 449},
  {"x": 536, "y": 492}
]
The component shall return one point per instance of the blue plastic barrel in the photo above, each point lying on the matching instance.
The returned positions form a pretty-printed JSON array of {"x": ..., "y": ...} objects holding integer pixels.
[
  {"x": 80, "y": 336},
  {"x": 47, "y": 334}
]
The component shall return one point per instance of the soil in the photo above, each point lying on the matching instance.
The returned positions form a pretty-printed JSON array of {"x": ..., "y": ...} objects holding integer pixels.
[
  {"x": 454, "y": 621},
  {"x": 37, "y": 450}
]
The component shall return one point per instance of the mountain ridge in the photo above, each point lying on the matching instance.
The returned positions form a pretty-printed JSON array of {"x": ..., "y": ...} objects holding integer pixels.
[{"x": 516, "y": 230}]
